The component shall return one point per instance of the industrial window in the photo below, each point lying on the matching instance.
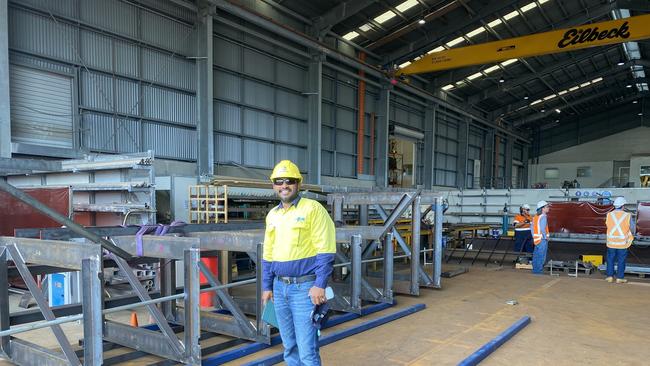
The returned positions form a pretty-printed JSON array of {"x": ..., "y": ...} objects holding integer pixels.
[
  {"x": 551, "y": 173},
  {"x": 583, "y": 171}
]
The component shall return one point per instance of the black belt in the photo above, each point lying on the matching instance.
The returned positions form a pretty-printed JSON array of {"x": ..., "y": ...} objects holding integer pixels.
[{"x": 301, "y": 279}]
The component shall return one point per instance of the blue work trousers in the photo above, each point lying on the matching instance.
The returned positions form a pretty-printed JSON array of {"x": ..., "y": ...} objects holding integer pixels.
[
  {"x": 523, "y": 241},
  {"x": 618, "y": 257},
  {"x": 539, "y": 257},
  {"x": 293, "y": 309}
]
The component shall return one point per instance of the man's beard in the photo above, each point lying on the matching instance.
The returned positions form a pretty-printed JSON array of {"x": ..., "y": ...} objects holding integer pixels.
[{"x": 289, "y": 199}]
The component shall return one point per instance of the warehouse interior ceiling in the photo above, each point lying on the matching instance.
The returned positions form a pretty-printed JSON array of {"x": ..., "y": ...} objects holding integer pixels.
[{"x": 536, "y": 92}]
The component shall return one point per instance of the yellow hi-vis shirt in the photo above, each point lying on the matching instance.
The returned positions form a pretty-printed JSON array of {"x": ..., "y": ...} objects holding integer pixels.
[{"x": 298, "y": 241}]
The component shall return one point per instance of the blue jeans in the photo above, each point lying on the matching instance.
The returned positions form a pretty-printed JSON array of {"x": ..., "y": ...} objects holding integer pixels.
[
  {"x": 523, "y": 241},
  {"x": 539, "y": 257},
  {"x": 617, "y": 256},
  {"x": 293, "y": 309}
]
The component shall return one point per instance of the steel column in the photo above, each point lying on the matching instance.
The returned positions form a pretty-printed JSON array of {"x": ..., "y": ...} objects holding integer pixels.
[
  {"x": 388, "y": 266},
  {"x": 5, "y": 106},
  {"x": 415, "y": 245},
  {"x": 437, "y": 254},
  {"x": 205, "y": 91},
  {"x": 382, "y": 125},
  {"x": 91, "y": 279},
  {"x": 355, "y": 294},
  {"x": 463, "y": 137},
  {"x": 429, "y": 145},
  {"x": 192, "y": 330},
  {"x": 314, "y": 118},
  {"x": 4, "y": 301}
]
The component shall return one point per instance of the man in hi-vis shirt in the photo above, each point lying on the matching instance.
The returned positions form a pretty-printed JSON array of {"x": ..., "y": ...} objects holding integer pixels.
[
  {"x": 299, "y": 249},
  {"x": 620, "y": 227}
]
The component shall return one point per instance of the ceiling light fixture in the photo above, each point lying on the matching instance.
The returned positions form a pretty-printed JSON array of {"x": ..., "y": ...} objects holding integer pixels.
[
  {"x": 525, "y": 97},
  {"x": 543, "y": 110},
  {"x": 628, "y": 85},
  {"x": 421, "y": 21},
  {"x": 558, "y": 111},
  {"x": 635, "y": 102},
  {"x": 620, "y": 63},
  {"x": 502, "y": 80}
]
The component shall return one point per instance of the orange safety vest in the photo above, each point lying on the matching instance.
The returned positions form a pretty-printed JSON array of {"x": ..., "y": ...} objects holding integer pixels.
[
  {"x": 537, "y": 231},
  {"x": 619, "y": 235},
  {"x": 521, "y": 219}
]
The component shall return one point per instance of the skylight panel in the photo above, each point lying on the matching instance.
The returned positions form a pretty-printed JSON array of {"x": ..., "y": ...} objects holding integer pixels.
[
  {"x": 455, "y": 41},
  {"x": 384, "y": 17},
  {"x": 474, "y": 76},
  {"x": 366, "y": 27},
  {"x": 511, "y": 15},
  {"x": 475, "y": 32},
  {"x": 494, "y": 23},
  {"x": 437, "y": 49},
  {"x": 448, "y": 87},
  {"x": 351, "y": 35},
  {"x": 528, "y": 7},
  {"x": 408, "y": 4},
  {"x": 491, "y": 69}
]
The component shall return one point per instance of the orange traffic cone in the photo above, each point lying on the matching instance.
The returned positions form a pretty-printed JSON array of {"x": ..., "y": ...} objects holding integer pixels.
[{"x": 134, "y": 319}]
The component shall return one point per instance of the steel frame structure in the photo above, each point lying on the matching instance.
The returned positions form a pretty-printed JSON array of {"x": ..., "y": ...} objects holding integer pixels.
[
  {"x": 68, "y": 255},
  {"x": 400, "y": 201}
]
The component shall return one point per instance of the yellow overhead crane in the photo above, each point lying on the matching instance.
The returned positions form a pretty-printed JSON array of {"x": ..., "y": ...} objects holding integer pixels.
[{"x": 562, "y": 40}]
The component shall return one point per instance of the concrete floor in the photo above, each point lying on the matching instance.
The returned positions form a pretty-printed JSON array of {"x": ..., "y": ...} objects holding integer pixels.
[{"x": 574, "y": 321}]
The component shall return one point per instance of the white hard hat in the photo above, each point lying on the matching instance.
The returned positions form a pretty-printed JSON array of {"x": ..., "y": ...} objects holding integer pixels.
[
  {"x": 525, "y": 206},
  {"x": 541, "y": 204},
  {"x": 619, "y": 202}
]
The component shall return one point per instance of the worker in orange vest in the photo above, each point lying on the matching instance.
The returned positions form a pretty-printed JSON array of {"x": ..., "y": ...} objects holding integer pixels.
[
  {"x": 540, "y": 233},
  {"x": 620, "y": 227},
  {"x": 523, "y": 236}
]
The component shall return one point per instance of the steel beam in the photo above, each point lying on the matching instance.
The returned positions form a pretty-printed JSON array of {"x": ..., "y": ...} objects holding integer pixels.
[
  {"x": 173, "y": 344},
  {"x": 141, "y": 339},
  {"x": 240, "y": 241},
  {"x": 168, "y": 247},
  {"x": 27, "y": 353},
  {"x": 379, "y": 198},
  {"x": 339, "y": 13}
]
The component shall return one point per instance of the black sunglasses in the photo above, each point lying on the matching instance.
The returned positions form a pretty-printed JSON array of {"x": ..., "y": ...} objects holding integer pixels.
[{"x": 281, "y": 181}]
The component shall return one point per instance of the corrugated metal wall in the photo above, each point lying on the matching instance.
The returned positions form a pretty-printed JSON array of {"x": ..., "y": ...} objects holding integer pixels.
[
  {"x": 133, "y": 86},
  {"x": 474, "y": 151},
  {"x": 446, "y": 148},
  {"x": 260, "y": 112},
  {"x": 339, "y": 148}
]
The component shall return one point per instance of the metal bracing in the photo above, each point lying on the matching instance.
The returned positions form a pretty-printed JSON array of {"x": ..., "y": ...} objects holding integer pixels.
[
  {"x": 74, "y": 256},
  {"x": 417, "y": 276}
]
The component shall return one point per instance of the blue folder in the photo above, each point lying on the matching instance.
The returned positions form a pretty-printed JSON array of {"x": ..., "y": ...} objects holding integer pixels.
[{"x": 268, "y": 315}]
